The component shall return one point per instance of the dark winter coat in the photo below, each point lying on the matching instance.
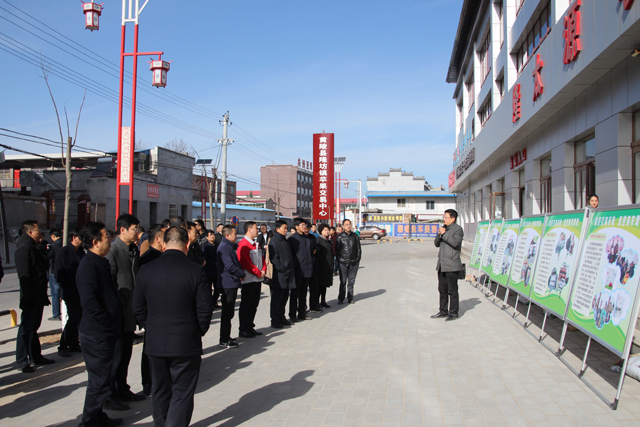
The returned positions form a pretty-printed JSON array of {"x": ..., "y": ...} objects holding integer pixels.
[
  {"x": 32, "y": 267},
  {"x": 229, "y": 269},
  {"x": 283, "y": 262},
  {"x": 172, "y": 301},
  {"x": 209, "y": 252},
  {"x": 195, "y": 253},
  {"x": 302, "y": 248},
  {"x": 52, "y": 251},
  {"x": 64, "y": 270},
  {"x": 125, "y": 261},
  {"x": 324, "y": 261},
  {"x": 348, "y": 250}
]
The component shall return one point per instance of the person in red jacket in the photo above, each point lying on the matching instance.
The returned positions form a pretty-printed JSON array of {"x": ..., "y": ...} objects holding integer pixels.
[{"x": 254, "y": 266}]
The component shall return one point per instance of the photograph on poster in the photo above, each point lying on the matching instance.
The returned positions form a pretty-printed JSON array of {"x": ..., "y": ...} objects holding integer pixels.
[
  {"x": 607, "y": 281},
  {"x": 558, "y": 256},
  {"x": 526, "y": 253}
]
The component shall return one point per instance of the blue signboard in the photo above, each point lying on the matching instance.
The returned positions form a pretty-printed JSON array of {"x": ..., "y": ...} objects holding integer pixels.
[{"x": 413, "y": 229}]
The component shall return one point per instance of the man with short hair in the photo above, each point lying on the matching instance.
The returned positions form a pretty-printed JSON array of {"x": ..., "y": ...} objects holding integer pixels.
[
  {"x": 65, "y": 268},
  {"x": 54, "y": 285},
  {"x": 210, "y": 267},
  {"x": 254, "y": 266},
  {"x": 219, "y": 234},
  {"x": 195, "y": 251},
  {"x": 230, "y": 274},
  {"x": 32, "y": 268},
  {"x": 156, "y": 237},
  {"x": 302, "y": 250},
  {"x": 348, "y": 254},
  {"x": 283, "y": 279},
  {"x": 201, "y": 231},
  {"x": 172, "y": 301},
  {"x": 102, "y": 322},
  {"x": 313, "y": 231},
  {"x": 124, "y": 261},
  {"x": 449, "y": 240}
]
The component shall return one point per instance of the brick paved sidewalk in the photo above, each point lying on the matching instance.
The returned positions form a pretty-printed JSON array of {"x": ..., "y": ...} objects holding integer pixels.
[{"x": 382, "y": 361}]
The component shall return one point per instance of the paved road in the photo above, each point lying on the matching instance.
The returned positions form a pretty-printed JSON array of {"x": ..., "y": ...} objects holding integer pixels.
[{"x": 382, "y": 361}]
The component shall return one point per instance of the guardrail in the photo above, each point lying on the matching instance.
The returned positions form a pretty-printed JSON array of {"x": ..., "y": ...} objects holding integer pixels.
[{"x": 13, "y": 314}]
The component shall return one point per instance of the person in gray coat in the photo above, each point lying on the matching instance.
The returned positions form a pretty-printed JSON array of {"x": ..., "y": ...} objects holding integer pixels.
[
  {"x": 449, "y": 240},
  {"x": 124, "y": 262}
]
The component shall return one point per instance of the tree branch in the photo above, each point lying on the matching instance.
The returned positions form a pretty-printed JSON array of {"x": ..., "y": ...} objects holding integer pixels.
[{"x": 75, "y": 137}]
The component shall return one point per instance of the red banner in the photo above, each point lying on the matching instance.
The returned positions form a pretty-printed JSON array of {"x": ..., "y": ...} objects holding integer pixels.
[
  {"x": 153, "y": 191},
  {"x": 323, "y": 180}
]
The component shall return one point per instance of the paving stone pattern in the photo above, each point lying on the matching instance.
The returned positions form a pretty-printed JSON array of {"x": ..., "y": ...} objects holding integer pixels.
[{"x": 380, "y": 362}]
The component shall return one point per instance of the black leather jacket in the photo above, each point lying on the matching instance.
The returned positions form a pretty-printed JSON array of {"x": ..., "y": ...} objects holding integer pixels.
[{"x": 348, "y": 250}]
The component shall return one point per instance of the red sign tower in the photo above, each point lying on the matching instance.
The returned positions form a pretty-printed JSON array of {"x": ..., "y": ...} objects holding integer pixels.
[{"x": 323, "y": 178}]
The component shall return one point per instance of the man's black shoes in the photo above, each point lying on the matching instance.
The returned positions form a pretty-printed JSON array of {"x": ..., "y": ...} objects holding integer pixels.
[
  {"x": 439, "y": 315},
  {"x": 451, "y": 317},
  {"x": 44, "y": 361},
  {"x": 244, "y": 334},
  {"x": 352, "y": 301},
  {"x": 104, "y": 420},
  {"x": 131, "y": 397},
  {"x": 340, "y": 302},
  {"x": 254, "y": 332},
  {"x": 325, "y": 305},
  {"x": 63, "y": 352},
  {"x": 115, "y": 405},
  {"x": 26, "y": 369},
  {"x": 276, "y": 325}
]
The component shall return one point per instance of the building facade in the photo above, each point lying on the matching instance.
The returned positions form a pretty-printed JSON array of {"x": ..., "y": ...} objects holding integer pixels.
[
  {"x": 547, "y": 96},
  {"x": 290, "y": 187}
]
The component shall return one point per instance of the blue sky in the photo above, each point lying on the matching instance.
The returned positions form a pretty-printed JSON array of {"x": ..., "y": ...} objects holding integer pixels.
[{"x": 373, "y": 72}]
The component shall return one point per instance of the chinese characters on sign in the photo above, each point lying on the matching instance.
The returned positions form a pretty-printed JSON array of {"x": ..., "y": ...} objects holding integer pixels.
[
  {"x": 519, "y": 158},
  {"x": 626, "y": 4},
  {"x": 572, "y": 42},
  {"x": 153, "y": 191},
  {"x": 126, "y": 171},
  {"x": 382, "y": 218},
  {"x": 452, "y": 178},
  {"x": 323, "y": 177},
  {"x": 538, "y": 86},
  {"x": 468, "y": 161},
  {"x": 305, "y": 164},
  {"x": 516, "y": 102}
]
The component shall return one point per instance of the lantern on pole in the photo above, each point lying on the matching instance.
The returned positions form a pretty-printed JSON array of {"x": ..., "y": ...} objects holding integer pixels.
[
  {"x": 159, "y": 69},
  {"x": 92, "y": 12}
]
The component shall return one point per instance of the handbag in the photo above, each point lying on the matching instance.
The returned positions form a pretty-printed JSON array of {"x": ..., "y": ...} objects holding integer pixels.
[
  {"x": 268, "y": 275},
  {"x": 462, "y": 274}
]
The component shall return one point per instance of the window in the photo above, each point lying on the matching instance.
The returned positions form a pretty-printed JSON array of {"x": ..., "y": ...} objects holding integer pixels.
[
  {"x": 536, "y": 35},
  {"x": 545, "y": 185},
  {"x": 173, "y": 210},
  {"x": 485, "y": 110},
  {"x": 460, "y": 116},
  {"x": 584, "y": 170},
  {"x": 402, "y": 203},
  {"x": 484, "y": 57},
  {"x": 499, "y": 11},
  {"x": 470, "y": 91},
  {"x": 431, "y": 205},
  {"x": 521, "y": 192},
  {"x": 500, "y": 85},
  {"x": 635, "y": 148}
]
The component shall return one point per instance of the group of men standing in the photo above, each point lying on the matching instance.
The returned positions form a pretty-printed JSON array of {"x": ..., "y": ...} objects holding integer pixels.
[{"x": 109, "y": 289}]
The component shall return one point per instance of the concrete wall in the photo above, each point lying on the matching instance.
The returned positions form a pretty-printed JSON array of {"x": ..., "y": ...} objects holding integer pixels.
[{"x": 21, "y": 208}]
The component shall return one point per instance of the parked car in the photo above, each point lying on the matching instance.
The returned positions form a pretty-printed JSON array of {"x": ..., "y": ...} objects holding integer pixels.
[{"x": 372, "y": 232}]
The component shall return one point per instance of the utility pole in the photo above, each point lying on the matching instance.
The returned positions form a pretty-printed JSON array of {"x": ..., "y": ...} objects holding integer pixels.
[{"x": 223, "y": 174}]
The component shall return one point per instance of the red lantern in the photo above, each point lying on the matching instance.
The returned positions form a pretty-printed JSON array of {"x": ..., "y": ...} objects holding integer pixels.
[
  {"x": 159, "y": 69},
  {"x": 92, "y": 13}
]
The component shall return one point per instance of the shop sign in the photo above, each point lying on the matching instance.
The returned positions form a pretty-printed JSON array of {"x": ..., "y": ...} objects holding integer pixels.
[
  {"x": 452, "y": 178},
  {"x": 626, "y": 4},
  {"x": 382, "y": 218},
  {"x": 518, "y": 158},
  {"x": 153, "y": 191},
  {"x": 468, "y": 161},
  {"x": 304, "y": 164},
  {"x": 571, "y": 34},
  {"x": 538, "y": 86},
  {"x": 516, "y": 103},
  {"x": 467, "y": 140}
]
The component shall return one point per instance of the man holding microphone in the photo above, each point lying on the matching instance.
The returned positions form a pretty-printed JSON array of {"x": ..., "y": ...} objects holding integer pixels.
[{"x": 449, "y": 240}]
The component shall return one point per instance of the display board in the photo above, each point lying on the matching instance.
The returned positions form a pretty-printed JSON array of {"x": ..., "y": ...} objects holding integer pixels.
[
  {"x": 491, "y": 245},
  {"x": 478, "y": 244},
  {"x": 553, "y": 275},
  {"x": 501, "y": 265},
  {"x": 526, "y": 254},
  {"x": 604, "y": 301}
]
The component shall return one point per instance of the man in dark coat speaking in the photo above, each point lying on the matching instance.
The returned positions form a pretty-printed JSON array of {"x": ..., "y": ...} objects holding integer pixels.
[
  {"x": 172, "y": 301},
  {"x": 449, "y": 240}
]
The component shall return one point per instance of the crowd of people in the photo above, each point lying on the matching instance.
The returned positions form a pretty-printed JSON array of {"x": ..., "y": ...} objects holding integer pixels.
[{"x": 167, "y": 281}]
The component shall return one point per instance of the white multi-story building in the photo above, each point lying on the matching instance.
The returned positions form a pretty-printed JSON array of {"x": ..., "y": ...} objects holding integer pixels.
[{"x": 547, "y": 106}]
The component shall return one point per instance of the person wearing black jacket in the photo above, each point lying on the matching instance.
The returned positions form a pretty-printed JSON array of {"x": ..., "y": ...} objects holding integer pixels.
[
  {"x": 172, "y": 301},
  {"x": 348, "y": 254},
  {"x": 302, "y": 251},
  {"x": 102, "y": 322},
  {"x": 324, "y": 264},
  {"x": 230, "y": 274},
  {"x": 32, "y": 268},
  {"x": 209, "y": 252},
  {"x": 219, "y": 233},
  {"x": 54, "y": 285},
  {"x": 263, "y": 238},
  {"x": 195, "y": 251},
  {"x": 314, "y": 295},
  {"x": 65, "y": 268},
  {"x": 283, "y": 280}
]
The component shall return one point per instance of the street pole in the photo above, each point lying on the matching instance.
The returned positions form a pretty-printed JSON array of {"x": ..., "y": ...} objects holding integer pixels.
[
  {"x": 223, "y": 174},
  {"x": 360, "y": 203}
]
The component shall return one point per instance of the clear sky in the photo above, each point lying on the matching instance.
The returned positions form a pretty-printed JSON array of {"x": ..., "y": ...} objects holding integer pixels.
[{"x": 372, "y": 72}]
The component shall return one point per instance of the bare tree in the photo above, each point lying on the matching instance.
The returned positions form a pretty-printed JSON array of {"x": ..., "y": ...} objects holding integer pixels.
[
  {"x": 66, "y": 160},
  {"x": 179, "y": 146},
  {"x": 141, "y": 145}
]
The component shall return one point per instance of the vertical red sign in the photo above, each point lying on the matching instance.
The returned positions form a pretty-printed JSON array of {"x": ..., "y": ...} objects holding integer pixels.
[
  {"x": 323, "y": 180},
  {"x": 627, "y": 4}
]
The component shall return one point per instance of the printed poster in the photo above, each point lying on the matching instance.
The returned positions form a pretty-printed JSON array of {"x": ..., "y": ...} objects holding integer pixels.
[
  {"x": 604, "y": 298},
  {"x": 501, "y": 265},
  {"x": 491, "y": 247},
  {"x": 526, "y": 254},
  {"x": 553, "y": 274},
  {"x": 478, "y": 244}
]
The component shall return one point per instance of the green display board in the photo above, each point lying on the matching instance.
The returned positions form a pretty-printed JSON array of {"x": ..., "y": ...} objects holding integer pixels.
[
  {"x": 526, "y": 254},
  {"x": 553, "y": 275},
  {"x": 604, "y": 301},
  {"x": 491, "y": 246},
  {"x": 501, "y": 265},
  {"x": 479, "y": 244}
]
